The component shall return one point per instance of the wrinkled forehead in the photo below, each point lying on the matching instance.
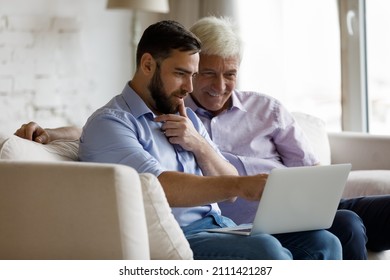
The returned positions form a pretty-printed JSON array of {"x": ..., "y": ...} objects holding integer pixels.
[{"x": 219, "y": 63}]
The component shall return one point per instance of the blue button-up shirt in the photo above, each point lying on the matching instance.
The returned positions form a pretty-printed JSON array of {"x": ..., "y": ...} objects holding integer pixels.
[{"x": 124, "y": 131}]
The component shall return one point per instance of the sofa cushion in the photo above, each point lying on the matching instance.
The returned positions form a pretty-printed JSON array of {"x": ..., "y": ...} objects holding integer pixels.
[
  {"x": 17, "y": 148},
  {"x": 166, "y": 239},
  {"x": 367, "y": 182}
]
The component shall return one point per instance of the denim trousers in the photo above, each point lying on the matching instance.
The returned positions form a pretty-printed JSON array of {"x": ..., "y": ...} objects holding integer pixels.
[
  {"x": 350, "y": 230},
  {"x": 308, "y": 245},
  {"x": 375, "y": 213}
]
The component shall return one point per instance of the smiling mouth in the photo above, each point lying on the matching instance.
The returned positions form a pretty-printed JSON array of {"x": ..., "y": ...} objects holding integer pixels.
[{"x": 214, "y": 94}]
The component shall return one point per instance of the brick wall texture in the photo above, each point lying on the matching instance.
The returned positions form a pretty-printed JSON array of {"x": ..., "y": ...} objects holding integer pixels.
[{"x": 41, "y": 71}]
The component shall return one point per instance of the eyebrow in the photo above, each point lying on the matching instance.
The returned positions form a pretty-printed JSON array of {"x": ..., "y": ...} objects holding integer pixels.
[
  {"x": 235, "y": 71},
  {"x": 184, "y": 70}
]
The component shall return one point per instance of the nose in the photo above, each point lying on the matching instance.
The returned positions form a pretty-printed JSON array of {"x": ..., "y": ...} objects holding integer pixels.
[
  {"x": 219, "y": 84},
  {"x": 188, "y": 85}
]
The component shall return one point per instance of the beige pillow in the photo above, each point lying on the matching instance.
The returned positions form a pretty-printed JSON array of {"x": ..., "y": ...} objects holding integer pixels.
[
  {"x": 16, "y": 148},
  {"x": 166, "y": 239}
]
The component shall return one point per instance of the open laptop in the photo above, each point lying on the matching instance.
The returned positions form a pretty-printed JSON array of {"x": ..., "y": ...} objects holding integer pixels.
[{"x": 297, "y": 199}]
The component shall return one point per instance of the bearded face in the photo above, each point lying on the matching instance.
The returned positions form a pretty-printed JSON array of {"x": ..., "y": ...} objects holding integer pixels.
[{"x": 165, "y": 103}]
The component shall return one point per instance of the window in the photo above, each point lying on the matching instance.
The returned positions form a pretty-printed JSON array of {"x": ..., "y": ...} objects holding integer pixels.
[
  {"x": 315, "y": 60},
  {"x": 378, "y": 65},
  {"x": 292, "y": 52}
]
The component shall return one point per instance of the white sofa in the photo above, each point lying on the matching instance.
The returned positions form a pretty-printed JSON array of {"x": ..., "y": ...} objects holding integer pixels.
[{"x": 54, "y": 207}]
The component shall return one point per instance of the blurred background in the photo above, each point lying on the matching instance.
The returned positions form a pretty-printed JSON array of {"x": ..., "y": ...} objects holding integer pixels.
[{"x": 62, "y": 59}]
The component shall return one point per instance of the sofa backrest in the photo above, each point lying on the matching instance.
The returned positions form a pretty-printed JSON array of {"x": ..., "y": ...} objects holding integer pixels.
[{"x": 16, "y": 148}]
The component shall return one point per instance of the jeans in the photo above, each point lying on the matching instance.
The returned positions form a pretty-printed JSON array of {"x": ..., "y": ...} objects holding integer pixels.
[
  {"x": 375, "y": 213},
  {"x": 350, "y": 230},
  {"x": 309, "y": 245}
]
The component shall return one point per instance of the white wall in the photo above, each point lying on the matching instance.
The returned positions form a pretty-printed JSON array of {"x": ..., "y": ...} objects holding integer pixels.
[{"x": 60, "y": 60}]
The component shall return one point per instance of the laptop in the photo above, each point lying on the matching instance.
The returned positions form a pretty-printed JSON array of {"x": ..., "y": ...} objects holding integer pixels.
[{"x": 297, "y": 199}]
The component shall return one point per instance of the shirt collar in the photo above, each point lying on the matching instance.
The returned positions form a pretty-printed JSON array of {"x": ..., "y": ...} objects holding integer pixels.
[
  {"x": 190, "y": 103},
  {"x": 236, "y": 103},
  {"x": 135, "y": 103}
]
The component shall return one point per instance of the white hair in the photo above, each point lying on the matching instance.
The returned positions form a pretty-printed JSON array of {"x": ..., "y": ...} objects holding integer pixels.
[{"x": 219, "y": 36}]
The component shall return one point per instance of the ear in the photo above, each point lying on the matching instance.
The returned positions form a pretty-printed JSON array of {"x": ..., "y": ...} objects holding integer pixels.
[{"x": 147, "y": 64}]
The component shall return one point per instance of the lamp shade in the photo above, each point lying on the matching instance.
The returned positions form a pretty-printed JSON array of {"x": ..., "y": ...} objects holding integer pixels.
[{"x": 158, "y": 6}]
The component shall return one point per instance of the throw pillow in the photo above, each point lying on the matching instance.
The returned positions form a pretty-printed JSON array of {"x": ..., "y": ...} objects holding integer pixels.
[
  {"x": 166, "y": 239},
  {"x": 315, "y": 130},
  {"x": 16, "y": 148}
]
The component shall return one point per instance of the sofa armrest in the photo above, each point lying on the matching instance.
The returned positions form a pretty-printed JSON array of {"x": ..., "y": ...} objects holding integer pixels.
[
  {"x": 71, "y": 210},
  {"x": 364, "y": 151},
  {"x": 166, "y": 239}
]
